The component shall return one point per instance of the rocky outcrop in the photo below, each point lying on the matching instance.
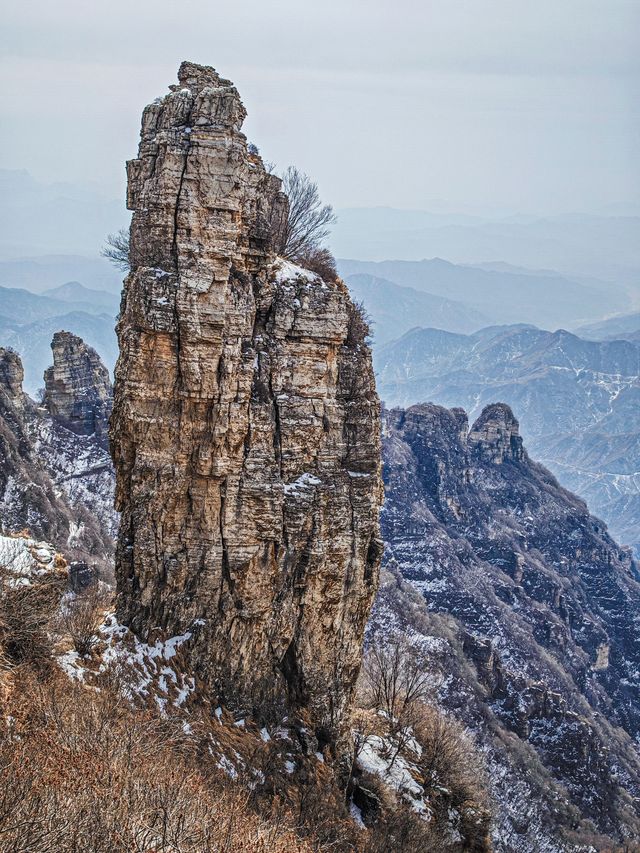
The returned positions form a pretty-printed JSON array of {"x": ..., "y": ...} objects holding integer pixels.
[
  {"x": 11, "y": 373},
  {"x": 528, "y": 609},
  {"x": 78, "y": 392},
  {"x": 53, "y": 482},
  {"x": 245, "y": 430},
  {"x": 495, "y": 436}
]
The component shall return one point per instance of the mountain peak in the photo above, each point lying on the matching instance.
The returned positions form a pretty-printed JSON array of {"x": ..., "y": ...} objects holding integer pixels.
[
  {"x": 245, "y": 431},
  {"x": 78, "y": 392},
  {"x": 495, "y": 435}
]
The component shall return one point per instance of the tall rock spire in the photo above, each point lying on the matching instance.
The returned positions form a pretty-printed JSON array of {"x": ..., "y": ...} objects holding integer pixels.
[
  {"x": 245, "y": 431},
  {"x": 77, "y": 388},
  {"x": 11, "y": 373}
]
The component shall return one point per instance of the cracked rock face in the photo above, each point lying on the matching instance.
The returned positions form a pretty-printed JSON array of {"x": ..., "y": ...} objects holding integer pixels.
[
  {"x": 78, "y": 393},
  {"x": 495, "y": 436},
  {"x": 245, "y": 431}
]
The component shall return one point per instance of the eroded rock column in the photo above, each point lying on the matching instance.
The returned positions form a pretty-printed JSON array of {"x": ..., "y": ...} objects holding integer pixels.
[{"x": 245, "y": 431}]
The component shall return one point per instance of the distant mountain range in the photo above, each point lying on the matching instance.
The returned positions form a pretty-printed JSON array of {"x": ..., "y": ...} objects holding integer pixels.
[
  {"x": 605, "y": 247},
  {"x": 47, "y": 272},
  {"x": 37, "y": 218},
  {"x": 28, "y": 321},
  {"x": 626, "y": 326},
  {"x": 394, "y": 309},
  {"x": 546, "y": 299},
  {"x": 578, "y": 402}
]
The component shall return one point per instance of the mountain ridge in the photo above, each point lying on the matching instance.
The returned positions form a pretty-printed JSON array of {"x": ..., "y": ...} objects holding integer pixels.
[{"x": 527, "y": 606}]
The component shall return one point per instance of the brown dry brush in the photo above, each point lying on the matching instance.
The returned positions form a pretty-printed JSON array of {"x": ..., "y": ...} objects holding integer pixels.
[
  {"x": 25, "y": 617},
  {"x": 82, "y": 771},
  {"x": 79, "y": 618}
]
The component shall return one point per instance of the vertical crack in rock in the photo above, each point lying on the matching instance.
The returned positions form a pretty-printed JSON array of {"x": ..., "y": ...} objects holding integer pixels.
[{"x": 245, "y": 431}]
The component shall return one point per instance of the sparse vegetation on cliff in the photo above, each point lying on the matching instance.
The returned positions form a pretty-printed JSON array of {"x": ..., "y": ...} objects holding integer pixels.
[{"x": 308, "y": 220}]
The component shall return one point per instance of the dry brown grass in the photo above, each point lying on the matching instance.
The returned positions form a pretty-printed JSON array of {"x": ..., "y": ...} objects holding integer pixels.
[{"x": 81, "y": 771}]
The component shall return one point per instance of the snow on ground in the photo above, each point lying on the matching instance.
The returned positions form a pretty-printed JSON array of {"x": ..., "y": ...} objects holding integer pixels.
[
  {"x": 146, "y": 668},
  {"x": 288, "y": 271},
  {"x": 379, "y": 756},
  {"x": 26, "y": 558}
]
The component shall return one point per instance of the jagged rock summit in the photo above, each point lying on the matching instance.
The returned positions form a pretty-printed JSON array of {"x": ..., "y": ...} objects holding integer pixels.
[
  {"x": 77, "y": 388},
  {"x": 245, "y": 431},
  {"x": 495, "y": 436}
]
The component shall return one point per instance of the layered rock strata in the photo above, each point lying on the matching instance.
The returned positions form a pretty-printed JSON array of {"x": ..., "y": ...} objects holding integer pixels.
[
  {"x": 11, "y": 373},
  {"x": 78, "y": 392},
  {"x": 245, "y": 431}
]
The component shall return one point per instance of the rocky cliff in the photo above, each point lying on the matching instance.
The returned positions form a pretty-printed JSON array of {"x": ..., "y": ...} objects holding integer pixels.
[
  {"x": 54, "y": 482},
  {"x": 245, "y": 431},
  {"x": 528, "y": 614},
  {"x": 77, "y": 388}
]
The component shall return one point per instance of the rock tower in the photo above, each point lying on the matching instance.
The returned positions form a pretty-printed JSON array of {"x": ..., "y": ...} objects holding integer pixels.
[
  {"x": 245, "y": 431},
  {"x": 77, "y": 388}
]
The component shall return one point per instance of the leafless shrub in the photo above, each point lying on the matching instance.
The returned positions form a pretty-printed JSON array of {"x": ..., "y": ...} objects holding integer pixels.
[
  {"x": 396, "y": 686},
  {"x": 366, "y": 724},
  {"x": 308, "y": 221},
  {"x": 395, "y": 680},
  {"x": 359, "y": 324},
  {"x": 82, "y": 771},
  {"x": 116, "y": 249},
  {"x": 319, "y": 261},
  {"x": 25, "y": 615},
  {"x": 448, "y": 758},
  {"x": 402, "y": 831},
  {"x": 80, "y": 617}
]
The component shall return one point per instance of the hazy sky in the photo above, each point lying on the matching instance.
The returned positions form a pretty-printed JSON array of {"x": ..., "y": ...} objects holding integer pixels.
[{"x": 529, "y": 105}]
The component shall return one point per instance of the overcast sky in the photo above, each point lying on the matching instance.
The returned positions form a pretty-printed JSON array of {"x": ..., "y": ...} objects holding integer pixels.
[{"x": 527, "y": 105}]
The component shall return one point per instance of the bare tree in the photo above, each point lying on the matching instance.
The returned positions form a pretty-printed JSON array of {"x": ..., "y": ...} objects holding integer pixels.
[
  {"x": 116, "y": 249},
  {"x": 395, "y": 679},
  {"x": 308, "y": 222}
]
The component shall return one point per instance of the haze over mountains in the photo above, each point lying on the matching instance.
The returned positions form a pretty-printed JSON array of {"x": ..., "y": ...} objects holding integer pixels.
[
  {"x": 395, "y": 309},
  {"x": 565, "y": 272},
  {"x": 38, "y": 218},
  {"x": 245, "y": 490},
  {"x": 587, "y": 245},
  {"x": 626, "y": 326},
  {"x": 545, "y": 299}
]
